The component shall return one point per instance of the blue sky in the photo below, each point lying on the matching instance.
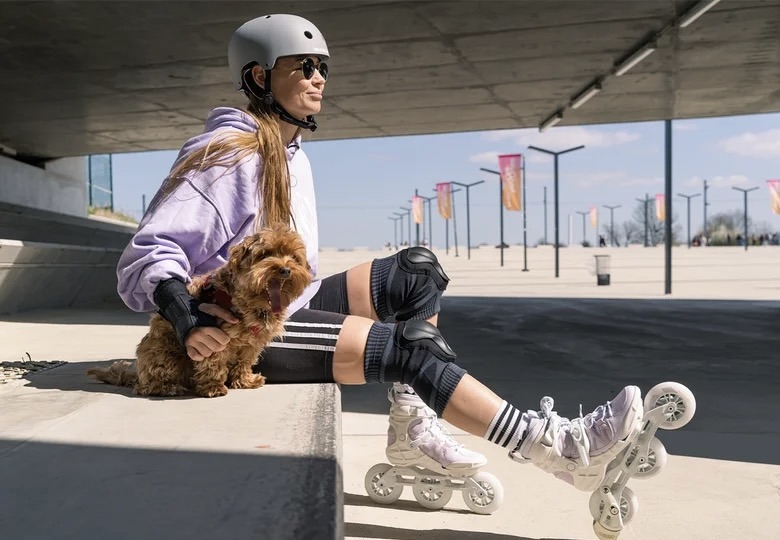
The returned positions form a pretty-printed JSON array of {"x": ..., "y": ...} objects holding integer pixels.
[{"x": 361, "y": 182}]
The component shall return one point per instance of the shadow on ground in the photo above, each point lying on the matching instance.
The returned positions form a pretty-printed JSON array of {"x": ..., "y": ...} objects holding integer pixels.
[
  {"x": 361, "y": 530},
  {"x": 583, "y": 351},
  {"x": 76, "y": 491}
]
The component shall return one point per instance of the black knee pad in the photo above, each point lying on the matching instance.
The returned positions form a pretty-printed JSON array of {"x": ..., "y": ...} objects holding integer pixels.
[
  {"x": 414, "y": 353},
  {"x": 408, "y": 285}
]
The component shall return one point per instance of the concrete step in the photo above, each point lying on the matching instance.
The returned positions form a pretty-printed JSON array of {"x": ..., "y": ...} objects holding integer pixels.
[{"x": 80, "y": 459}]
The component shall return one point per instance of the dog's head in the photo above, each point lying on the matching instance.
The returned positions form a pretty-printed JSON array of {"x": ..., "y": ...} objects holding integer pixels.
[{"x": 269, "y": 269}]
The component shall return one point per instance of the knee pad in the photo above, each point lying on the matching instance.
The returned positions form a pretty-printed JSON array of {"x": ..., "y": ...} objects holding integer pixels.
[
  {"x": 408, "y": 285},
  {"x": 414, "y": 353}
]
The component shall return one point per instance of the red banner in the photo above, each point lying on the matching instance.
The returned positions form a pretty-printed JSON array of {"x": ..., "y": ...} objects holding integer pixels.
[
  {"x": 510, "y": 166},
  {"x": 417, "y": 209},
  {"x": 444, "y": 199},
  {"x": 774, "y": 195},
  {"x": 660, "y": 207}
]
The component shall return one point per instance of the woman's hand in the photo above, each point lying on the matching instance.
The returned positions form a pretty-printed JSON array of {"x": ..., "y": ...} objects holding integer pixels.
[{"x": 204, "y": 341}]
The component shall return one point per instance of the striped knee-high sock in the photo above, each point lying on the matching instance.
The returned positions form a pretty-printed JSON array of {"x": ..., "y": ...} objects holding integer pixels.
[{"x": 507, "y": 427}]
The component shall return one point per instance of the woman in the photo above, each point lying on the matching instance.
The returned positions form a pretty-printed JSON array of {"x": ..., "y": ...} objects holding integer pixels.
[{"x": 247, "y": 170}]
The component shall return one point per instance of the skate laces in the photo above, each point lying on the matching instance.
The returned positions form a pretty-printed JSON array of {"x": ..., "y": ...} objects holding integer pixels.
[{"x": 576, "y": 427}]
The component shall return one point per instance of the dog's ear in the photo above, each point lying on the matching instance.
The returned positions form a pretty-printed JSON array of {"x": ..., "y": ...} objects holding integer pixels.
[{"x": 239, "y": 253}]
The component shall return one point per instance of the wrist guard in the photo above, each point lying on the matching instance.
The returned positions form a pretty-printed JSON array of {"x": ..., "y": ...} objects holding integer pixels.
[{"x": 179, "y": 308}]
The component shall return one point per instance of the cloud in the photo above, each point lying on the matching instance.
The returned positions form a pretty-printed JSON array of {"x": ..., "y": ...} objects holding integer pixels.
[
  {"x": 762, "y": 145},
  {"x": 564, "y": 137},
  {"x": 718, "y": 181}
]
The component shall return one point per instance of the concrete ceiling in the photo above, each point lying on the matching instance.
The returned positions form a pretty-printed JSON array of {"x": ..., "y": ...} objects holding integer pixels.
[{"x": 93, "y": 77}]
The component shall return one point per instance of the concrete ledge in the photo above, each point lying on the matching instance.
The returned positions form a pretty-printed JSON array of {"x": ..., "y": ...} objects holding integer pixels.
[
  {"x": 85, "y": 460},
  {"x": 18, "y": 222},
  {"x": 36, "y": 275}
]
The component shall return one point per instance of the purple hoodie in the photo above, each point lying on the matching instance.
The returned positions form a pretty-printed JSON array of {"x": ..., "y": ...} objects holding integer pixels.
[{"x": 191, "y": 232}]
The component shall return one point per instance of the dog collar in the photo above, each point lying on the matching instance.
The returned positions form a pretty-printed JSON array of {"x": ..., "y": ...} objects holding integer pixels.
[{"x": 214, "y": 295}]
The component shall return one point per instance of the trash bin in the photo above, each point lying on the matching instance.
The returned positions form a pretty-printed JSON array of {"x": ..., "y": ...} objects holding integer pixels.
[{"x": 602, "y": 269}]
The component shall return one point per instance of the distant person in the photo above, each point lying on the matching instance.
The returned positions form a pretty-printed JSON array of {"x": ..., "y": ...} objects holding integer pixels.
[{"x": 374, "y": 323}]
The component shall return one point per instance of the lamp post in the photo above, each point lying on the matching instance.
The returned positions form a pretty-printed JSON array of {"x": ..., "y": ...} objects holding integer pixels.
[
  {"x": 556, "y": 203},
  {"x": 583, "y": 214},
  {"x": 611, "y": 223},
  {"x": 500, "y": 209},
  {"x": 689, "y": 197},
  {"x": 395, "y": 230},
  {"x": 745, "y": 193},
  {"x": 408, "y": 214},
  {"x": 468, "y": 215}
]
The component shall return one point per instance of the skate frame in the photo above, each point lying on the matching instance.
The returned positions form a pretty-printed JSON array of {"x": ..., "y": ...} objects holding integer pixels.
[
  {"x": 399, "y": 476},
  {"x": 619, "y": 472}
]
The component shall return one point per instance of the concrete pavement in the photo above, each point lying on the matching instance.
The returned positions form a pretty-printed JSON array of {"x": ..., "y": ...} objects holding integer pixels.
[{"x": 71, "y": 446}]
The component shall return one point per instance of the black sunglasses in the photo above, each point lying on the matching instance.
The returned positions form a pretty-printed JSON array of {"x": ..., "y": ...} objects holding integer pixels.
[{"x": 308, "y": 66}]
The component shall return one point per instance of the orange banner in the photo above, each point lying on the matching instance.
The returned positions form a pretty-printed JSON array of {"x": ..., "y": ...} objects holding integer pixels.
[
  {"x": 417, "y": 209},
  {"x": 660, "y": 207},
  {"x": 444, "y": 199},
  {"x": 594, "y": 216},
  {"x": 774, "y": 194},
  {"x": 510, "y": 166}
]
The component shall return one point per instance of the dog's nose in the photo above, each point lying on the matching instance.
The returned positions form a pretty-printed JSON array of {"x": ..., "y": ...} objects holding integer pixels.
[{"x": 284, "y": 272}]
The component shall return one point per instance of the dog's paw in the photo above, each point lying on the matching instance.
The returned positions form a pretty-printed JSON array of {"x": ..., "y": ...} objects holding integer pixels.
[
  {"x": 248, "y": 381},
  {"x": 214, "y": 390}
]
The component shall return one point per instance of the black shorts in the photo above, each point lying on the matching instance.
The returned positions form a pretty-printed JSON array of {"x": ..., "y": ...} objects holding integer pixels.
[{"x": 304, "y": 354}]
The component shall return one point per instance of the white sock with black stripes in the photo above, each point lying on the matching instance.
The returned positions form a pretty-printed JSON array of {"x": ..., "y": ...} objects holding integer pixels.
[{"x": 507, "y": 426}]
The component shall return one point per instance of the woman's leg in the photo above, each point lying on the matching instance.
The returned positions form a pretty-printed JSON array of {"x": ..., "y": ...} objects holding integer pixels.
[{"x": 330, "y": 347}]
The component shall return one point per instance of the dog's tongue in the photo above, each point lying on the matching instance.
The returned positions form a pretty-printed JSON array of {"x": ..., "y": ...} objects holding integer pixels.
[{"x": 275, "y": 296}]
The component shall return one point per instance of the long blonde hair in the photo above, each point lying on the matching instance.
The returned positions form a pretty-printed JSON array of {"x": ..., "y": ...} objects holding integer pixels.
[{"x": 229, "y": 149}]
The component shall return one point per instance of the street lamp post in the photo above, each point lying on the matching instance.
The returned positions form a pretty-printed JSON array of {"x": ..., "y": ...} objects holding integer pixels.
[
  {"x": 468, "y": 215},
  {"x": 689, "y": 197},
  {"x": 745, "y": 193},
  {"x": 395, "y": 230},
  {"x": 611, "y": 223},
  {"x": 500, "y": 209},
  {"x": 557, "y": 236},
  {"x": 408, "y": 214},
  {"x": 583, "y": 214}
]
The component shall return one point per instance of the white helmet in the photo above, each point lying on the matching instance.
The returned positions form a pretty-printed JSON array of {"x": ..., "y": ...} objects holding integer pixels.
[{"x": 267, "y": 38}]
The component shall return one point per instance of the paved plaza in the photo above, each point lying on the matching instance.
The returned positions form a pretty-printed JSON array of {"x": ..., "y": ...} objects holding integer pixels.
[{"x": 524, "y": 334}]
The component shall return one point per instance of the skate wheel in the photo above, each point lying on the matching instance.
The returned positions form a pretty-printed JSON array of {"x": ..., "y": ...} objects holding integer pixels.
[
  {"x": 602, "y": 533},
  {"x": 681, "y": 402},
  {"x": 432, "y": 493},
  {"x": 380, "y": 487},
  {"x": 656, "y": 460},
  {"x": 629, "y": 504},
  {"x": 486, "y": 496}
]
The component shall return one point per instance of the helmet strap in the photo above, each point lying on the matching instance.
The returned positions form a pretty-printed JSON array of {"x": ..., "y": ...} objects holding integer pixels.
[{"x": 267, "y": 98}]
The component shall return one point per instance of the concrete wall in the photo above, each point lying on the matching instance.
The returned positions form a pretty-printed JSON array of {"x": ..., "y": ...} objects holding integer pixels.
[
  {"x": 36, "y": 275},
  {"x": 60, "y": 187}
]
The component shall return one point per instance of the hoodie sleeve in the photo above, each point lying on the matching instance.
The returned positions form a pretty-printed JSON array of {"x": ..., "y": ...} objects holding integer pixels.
[{"x": 193, "y": 224}]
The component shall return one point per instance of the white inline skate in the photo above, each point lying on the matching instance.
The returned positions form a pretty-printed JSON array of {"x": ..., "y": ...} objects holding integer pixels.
[
  {"x": 603, "y": 450},
  {"x": 424, "y": 455}
]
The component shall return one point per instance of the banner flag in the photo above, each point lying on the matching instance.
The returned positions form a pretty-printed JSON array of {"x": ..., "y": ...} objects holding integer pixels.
[
  {"x": 417, "y": 209},
  {"x": 774, "y": 194},
  {"x": 660, "y": 207},
  {"x": 594, "y": 216},
  {"x": 444, "y": 199},
  {"x": 510, "y": 166}
]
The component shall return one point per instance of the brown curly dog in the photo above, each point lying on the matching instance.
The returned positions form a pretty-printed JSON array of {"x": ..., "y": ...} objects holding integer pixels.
[{"x": 263, "y": 275}]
